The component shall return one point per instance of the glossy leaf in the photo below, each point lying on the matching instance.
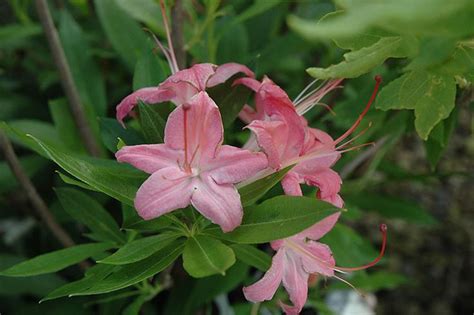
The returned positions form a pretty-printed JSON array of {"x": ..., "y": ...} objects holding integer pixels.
[
  {"x": 131, "y": 274},
  {"x": 54, "y": 261},
  {"x": 111, "y": 131},
  {"x": 252, "y": 256},
  {"x": 139, "y": 249},
  {"x": 251, "y": 193},
  {"x": 277, "y": 218},
  {"x": 88, "y": 211},
  {"x": 204, "y": 256},
  {"x": 116, "y": 180},
  {"x": 149, "y": 71}
]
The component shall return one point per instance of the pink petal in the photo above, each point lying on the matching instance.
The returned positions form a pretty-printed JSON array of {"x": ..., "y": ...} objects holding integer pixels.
[
  {"x": 204, "y": 128},
  {"x": 295, "y": 280},
  {"x": 248, "y": 114},
  {"x": 232, "y": 165},
  {"x": 149, "y": 95},
  {"x": 320, "y": 229},
  {"x": 164, "y": 191},
  {"x": 251, "y": 83},
  {"x": 323, "y": 263},
  {"x": 183, "y": 91},
  {"x": 272, "y": 137},
  {"x": 328, "y": 182},
  {"x": 226, "y": 71},
  {"x": 290, "y": 310},
  {"x": 335, "y": 199},
  {"x": 291, "y": 184},
  {"x": 149, "y": 157},
  {"x": 267, "y": 286},
  {"x": 219, "y": 203},
  {"x": 197, "y": 75}
]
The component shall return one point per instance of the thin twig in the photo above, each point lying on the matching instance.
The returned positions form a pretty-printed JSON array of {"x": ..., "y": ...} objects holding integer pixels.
[
  {"x": 67, "y": 80},
  {"x": 38, "y": 204},
  {"x": 177, "y": 18}
]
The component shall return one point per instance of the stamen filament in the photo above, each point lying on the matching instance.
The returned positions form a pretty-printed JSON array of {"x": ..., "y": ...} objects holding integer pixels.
[
  {"x": 378, "y": 80},
  {"x": 383, "y": 230},
  {"x": 174, "y": 66}
]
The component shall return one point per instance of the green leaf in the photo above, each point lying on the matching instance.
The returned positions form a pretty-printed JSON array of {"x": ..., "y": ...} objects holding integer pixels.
[
  {"x": 204, "y": 256},
  {"x": 277, "y": 218},
  {"x": 439, "y": 138},
  {"x": 363, "y": 60},
  {"x": 131, "y": 274},
  {"x": 17, "y": 35},
  {"x": 152, "y": 124},
  {"x": 390, "y": 207},
  {"x": 111, "y": 131},
  {"x": 116, "y": 180},
  {"x": 91, "y": 213},
  {"x": 149, "y": 71},
  {"x": 233, "y": 43},
  {"x": 86, "y": 74},
  {"x": 71, "y": 181},
  {"x": 93, "y": 275},
  {"x": 55, "y": 261},
  {"x": 252, "y": 256},
  {"x": 134, "y": 307},
  {"x": 35, "y": 285},
  {"x": 431, "y": 95},
  {"x": 139, "y": 249},
  {"x": 124, "y": 33},
  {"x": 251, "y": 193},
  {"x": 146, "y": 11},
  {"x": 63, "y": 121}
]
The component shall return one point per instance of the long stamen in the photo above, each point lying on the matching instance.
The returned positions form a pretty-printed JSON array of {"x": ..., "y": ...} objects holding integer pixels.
[
  {"x": 360, "y": 134},
  {"x": 383, "y": 230},
  {"x": 304, "y": 90},
  {"x": 175, "y": 67},
  {"x": 378, "y": 80},
  {"x": 186, "y": 165},
  {"x": 349, "y": 284},
  {"x": 163, "y": 49}
]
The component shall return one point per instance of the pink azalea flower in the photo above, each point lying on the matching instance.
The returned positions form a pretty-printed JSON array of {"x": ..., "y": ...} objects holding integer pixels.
[
  {"x": 296, "y": 259},
  {"x": 283, "y": 134},
  {"x": 182, "y": 86},
  {"x": 193, "y": 167}
]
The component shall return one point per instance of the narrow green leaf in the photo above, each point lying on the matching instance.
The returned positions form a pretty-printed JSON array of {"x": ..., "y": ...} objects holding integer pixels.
[
  {"x": 139, "y": 249},
  {"x": 204, "y": 256},
  {"x": 152, "y": 124},
  {"x": 91, "y": 213},
  {"x": 251, "y": 193},
  {"x": 258, "y": 7},
  {"x": 146, "y": 11},
  {"x": 131, "y": 274},
  {"x": 71, "y": 181},
  {"x": 54, "y": 261},
  {"x": 93, "y": 275},
  {"x": 116, "y": 180},
  {"x": 252, "y": 256},
  {"x": 277, "y": 218}
]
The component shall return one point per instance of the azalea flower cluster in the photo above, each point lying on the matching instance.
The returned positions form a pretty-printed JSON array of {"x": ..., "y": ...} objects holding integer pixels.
[{"x": 194, "y": 167}]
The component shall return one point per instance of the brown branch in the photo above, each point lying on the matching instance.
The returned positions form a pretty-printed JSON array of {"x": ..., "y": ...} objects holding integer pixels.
[
  {"x": 38, "y": 204},
  {"x": 177, "y": 19},
  {"x": 67, "y": 80}
]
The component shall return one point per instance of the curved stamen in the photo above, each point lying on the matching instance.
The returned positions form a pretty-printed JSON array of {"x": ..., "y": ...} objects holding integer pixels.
[
  {"x": 163, "y": 49},
  {"x": 295, "y": 101},
  {"x": 383, "y": 230},
  {"x": 378, "y": 80},
  {"x": 186, "y": 165},
  {"x": 175, "y": 67}
]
